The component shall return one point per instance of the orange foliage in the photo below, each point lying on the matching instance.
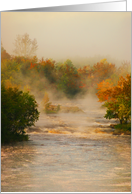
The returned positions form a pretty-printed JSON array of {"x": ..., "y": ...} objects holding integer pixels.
[
  {"x": 32, "y": 66},
  {"x": 47, "y": 62},
  {"x": 108, "y": 92},
  {"x": 103, "y": 88}
]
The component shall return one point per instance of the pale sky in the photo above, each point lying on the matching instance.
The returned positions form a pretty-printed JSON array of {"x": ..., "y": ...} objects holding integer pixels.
[{"x": 70, "y": 34}]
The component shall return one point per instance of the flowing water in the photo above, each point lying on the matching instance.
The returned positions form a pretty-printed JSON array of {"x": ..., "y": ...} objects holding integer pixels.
[{"x": 68, "y": 153}]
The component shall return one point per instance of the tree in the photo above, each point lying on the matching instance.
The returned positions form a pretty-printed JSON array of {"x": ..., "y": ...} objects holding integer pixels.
[
  {"x": 18, "y": 111},
  {"x": 46, "y": 68},
  {"x": 103, "y": 70},
  {"x": 24, "y": 46},
  {"x": 9, "y": 71},
  {"x": 117, "y": 98},
  {"x": 124, "y": 69},
  {"x": 4, "y": 54},
  {"x": 68, "y": 79}
]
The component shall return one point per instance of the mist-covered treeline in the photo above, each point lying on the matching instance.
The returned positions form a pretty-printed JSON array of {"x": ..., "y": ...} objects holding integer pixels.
[{"x": 37, "y": 77}]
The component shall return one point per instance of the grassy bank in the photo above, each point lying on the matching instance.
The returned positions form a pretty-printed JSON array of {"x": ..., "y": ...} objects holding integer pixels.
[{"x": 124, "y": 129}]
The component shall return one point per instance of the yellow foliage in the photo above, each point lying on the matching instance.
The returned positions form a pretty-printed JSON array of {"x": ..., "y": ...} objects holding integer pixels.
[
  {"x": 26, "y": 88},
  {"x": 8, "y": 84},
  {"x": 103, "y": 61}
]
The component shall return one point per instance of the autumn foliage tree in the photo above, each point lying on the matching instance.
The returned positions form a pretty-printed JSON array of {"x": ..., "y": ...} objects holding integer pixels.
[
  {"x": 117, "y": 98},
  {"x": 103, "y": 70},
  {"x": 47, "y": 68},
  {"x": 4, "y": 54}
]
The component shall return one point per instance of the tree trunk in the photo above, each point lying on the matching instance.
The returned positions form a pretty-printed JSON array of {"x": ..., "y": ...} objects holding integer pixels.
[{"x": 120, "y": 121}]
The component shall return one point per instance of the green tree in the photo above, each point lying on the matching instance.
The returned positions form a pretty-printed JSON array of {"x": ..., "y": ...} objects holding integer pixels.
[
  {"x": 68, "y": 79},
  {"x": 18, "y": 111},
  {"x": 9, "y": 68}
]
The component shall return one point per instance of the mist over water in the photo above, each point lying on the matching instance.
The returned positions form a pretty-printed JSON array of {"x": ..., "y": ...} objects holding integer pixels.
[{"x": 69, "y": 152}]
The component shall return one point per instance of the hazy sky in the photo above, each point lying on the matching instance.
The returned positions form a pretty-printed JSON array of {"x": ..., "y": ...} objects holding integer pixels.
[{"x": 71, "y": 34}]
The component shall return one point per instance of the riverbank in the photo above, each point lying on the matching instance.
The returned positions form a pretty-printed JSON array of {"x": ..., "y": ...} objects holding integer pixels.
[
  {"x": 115, "y": 129},
  {"x": 122, "y": 129}
]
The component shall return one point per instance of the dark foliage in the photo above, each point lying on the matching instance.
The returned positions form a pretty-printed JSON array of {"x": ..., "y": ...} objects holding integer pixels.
[{"x": 18, "y": 111}]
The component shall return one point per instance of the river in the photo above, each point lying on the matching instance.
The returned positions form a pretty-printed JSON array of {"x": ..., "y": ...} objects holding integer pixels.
[{"x": 68, "y": 153}]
